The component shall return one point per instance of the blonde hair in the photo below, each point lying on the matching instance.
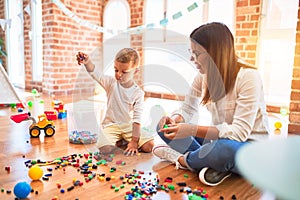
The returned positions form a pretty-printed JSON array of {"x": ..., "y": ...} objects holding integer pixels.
[{"x": 127, "y": 55}]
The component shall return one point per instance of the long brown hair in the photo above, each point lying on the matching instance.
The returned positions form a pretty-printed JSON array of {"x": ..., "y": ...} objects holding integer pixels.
[{"x": 222, "y": 71}]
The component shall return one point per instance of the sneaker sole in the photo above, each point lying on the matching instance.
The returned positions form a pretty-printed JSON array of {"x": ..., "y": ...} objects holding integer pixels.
[
  {"x": 156, "y": 147},
  {"x": 202, "y": 179}
]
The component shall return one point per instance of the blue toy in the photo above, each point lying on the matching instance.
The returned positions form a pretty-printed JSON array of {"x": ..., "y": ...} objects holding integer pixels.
[
  {"x": 62, "y": 115},
  {"x": 22, "y": 190}
]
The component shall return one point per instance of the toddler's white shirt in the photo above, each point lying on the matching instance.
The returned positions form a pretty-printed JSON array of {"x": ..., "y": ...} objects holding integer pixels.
[{"x": 124, "y": 105}]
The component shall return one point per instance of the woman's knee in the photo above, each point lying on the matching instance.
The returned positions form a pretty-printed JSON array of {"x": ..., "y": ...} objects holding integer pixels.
[
  {"x": 223, "y": 154},
  {"x": 218, "y": 154}
]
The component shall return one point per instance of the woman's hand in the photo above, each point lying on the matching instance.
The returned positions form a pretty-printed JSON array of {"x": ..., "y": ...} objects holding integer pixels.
[
  {"x": 170, "y": 130},
  {"x": 179, "y": 131},
  {"x": 165, "y": 120}
]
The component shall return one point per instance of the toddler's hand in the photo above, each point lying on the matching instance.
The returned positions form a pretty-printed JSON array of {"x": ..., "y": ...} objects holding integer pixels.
[
  {"x": 132, "y": 149},
  {"x": 82, "y": 58}
]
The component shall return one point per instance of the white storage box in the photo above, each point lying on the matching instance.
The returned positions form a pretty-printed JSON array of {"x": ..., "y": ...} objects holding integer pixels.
[{"x": 84, "y": 121}]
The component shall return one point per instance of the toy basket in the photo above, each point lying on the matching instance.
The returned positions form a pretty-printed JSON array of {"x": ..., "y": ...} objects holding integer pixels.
[{"x": 84, "y": 121}]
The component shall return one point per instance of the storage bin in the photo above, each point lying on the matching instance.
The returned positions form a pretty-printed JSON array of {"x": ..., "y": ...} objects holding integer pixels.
[{"x": 84, "y": 121}]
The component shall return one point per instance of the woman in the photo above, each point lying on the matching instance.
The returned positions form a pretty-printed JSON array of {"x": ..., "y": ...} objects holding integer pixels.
[{"x": 232, "y": 91}]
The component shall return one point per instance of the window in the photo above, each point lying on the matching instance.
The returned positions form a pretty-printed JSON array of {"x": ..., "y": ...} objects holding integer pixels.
[
  {"x": 37, "y": 40},
  {"x": 221, "y": 11},
  {"x": 116, "y": 19},
  {"x": 167, "y": 41},
  {"x": 15, "y": 42},
  {"x": 276, "y": 49}
]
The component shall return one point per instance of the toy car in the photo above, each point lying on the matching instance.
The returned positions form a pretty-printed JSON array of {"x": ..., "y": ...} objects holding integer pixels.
[{"x": 36, "y": 127}]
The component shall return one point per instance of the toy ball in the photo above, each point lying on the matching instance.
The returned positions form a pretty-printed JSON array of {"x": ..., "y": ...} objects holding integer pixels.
[
  {"x": 278, "y": 125},
  {"x": 35, "y": 173},
  {"x": 22, "y": 190}
]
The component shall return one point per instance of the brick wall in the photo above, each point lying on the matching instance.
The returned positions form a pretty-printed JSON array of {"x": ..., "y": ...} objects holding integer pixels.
[
  {"x": 137, "y": 17},
  {"x": 62, "y": 39},
  {"x": 247, "y": 28},
  {"x": 294, "y": 117}
]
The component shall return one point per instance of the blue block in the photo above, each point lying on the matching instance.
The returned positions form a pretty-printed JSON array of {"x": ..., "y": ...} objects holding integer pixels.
[{"x": 62, "y": 115}]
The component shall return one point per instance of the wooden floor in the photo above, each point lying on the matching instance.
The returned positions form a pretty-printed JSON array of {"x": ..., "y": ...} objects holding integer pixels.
[{"x": 17, "y": 147}]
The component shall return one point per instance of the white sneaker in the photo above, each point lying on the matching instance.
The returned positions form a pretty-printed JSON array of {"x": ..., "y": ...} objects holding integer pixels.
[{"x": 167, "y": 153}]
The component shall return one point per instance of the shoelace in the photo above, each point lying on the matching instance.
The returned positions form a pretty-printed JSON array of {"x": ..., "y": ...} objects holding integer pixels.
[
  {"x": 179, "y": 166},
  {"x": 168, "y": 154}
]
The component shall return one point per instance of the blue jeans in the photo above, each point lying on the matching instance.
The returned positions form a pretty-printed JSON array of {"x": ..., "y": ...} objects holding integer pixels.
[{"x": 199, "y": 153}]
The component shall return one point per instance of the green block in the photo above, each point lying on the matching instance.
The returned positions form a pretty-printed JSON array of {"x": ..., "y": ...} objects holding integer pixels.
[
  {"x": 194, "y": 197},
  {"x": 171, "y": 187},
  {"x": 103, "y": 161},
  {"x": 13, "y": 105},
  {"x": 98, "y": 163},
  {"x": 30, "y": 103}
]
